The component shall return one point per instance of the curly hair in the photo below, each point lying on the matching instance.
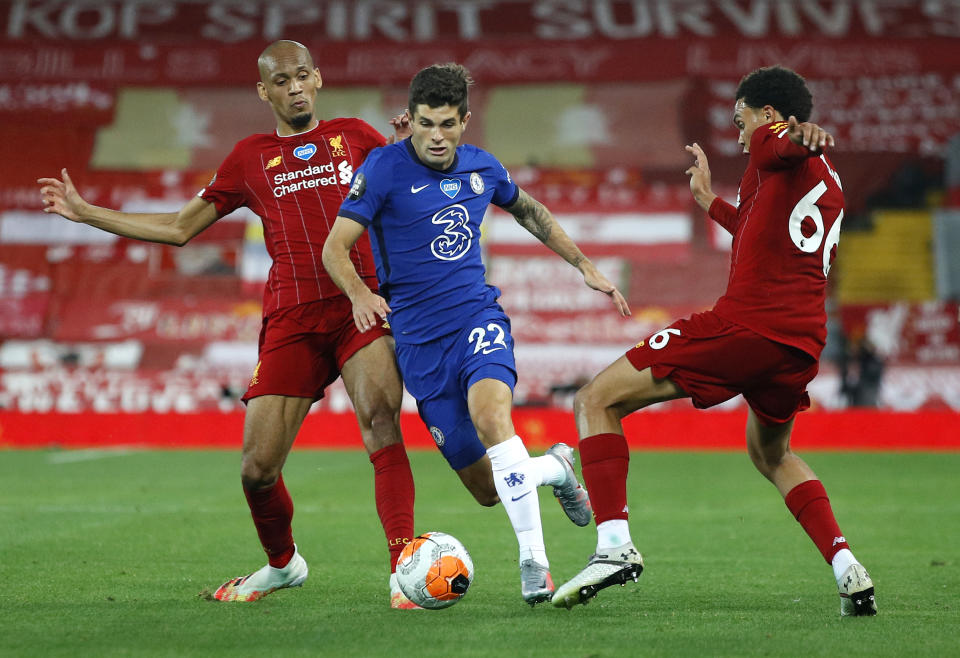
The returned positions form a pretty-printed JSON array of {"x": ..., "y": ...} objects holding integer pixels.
[
  {"x": 779, "y": 87},
  {"x": 439, "y": 85}
]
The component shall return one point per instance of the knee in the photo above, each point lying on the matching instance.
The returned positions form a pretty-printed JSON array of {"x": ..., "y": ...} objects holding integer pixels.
[
  {"x": 491, "y": 423},
  {"x": 766, "y": 460},
  {"x": 588, "y": 400},
  {"x": 381, "y": 419},
  {"x": 258, "y": 474}
]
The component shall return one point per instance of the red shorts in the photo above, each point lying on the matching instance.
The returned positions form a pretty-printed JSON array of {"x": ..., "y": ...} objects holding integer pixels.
[
  {"x": 303, "y": 348},
  {"x": 713, "y": 360}
]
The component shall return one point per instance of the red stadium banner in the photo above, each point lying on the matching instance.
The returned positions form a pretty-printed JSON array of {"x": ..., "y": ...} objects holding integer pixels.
[
  {"x": 181, "y": 42},
  {"x": 642, "y": 59},
  {"x": 915, "y": 334},
  {"x": 677, "y": 430},
  {"x": 170, "y": 320},
  {"x": 25, "y": 290}
]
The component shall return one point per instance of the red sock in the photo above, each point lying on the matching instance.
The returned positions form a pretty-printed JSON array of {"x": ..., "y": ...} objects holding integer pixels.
[
  {"x": 393, "y": 488},
  {"x": 809, "y": 503},
  {"x": 605, "y": 459},
  {"x": 272, "y": 511}
]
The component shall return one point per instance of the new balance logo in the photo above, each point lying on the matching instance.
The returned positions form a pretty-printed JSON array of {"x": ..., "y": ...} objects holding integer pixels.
[
  {"x": 514, "y": 479},
  {"x": 839, "y": 540}
]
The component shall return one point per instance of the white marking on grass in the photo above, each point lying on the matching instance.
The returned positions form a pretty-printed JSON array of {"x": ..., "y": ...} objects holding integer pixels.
[{"x": 73, "y": 456}]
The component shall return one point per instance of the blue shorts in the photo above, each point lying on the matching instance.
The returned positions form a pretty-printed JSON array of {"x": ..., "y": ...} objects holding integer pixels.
[{"x": 439, "y": 373}]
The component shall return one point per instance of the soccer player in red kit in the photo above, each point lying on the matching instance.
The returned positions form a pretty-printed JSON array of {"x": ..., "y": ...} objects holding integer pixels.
[
  {"x": 762, "y": 339},
  {"x": 295, "y": 180}
]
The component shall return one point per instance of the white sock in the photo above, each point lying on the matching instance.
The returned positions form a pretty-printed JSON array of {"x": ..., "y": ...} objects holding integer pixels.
[
  {"x": 841, "y": 562},
  {"x": 516, "y": 478},
  {"x": 551, "y": 470},
  {"x": 611, "y": 534}
]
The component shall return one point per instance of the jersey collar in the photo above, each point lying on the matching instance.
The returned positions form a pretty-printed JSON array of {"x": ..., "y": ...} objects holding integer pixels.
[{"x": 300, "y": 134}]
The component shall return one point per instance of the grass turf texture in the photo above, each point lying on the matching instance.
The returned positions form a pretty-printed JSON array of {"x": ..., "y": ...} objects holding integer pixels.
[{"x": 105, "y": 554}]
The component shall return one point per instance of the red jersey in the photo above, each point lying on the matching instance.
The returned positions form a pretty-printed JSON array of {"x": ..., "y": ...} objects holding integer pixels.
[
  {"x": 785, "y": 231},
  {"x": 296, "y": 184}
]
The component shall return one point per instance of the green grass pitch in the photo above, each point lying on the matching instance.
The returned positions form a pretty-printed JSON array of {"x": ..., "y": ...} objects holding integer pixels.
[{"x": 105, "y": 553}]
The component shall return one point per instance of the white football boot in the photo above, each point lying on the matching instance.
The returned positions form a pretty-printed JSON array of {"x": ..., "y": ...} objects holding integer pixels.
[
  {"x": 856, "y": 592},
  {"x": 614, "y": 566},
  {"x": 264, "y": 581},
  {"x": 399, "y": 600}
]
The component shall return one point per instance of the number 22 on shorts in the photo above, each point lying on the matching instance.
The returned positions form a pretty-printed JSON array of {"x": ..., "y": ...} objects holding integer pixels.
[{"x": 479, "y": 336}]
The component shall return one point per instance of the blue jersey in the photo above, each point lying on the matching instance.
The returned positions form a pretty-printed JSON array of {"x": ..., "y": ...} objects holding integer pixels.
[{"x": 425, "y": 231}]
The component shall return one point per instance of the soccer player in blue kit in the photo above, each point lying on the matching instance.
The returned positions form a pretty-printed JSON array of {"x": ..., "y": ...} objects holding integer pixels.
[{"x": 423, "y": 200}]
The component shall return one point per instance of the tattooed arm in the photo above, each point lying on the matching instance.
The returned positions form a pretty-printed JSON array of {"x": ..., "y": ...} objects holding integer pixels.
[{"x": 534, "y": 216}]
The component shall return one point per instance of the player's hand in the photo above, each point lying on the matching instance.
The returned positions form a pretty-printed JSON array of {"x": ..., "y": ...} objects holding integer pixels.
[
  {"x": 699, "y": 173},
  {"x": 369, "y": 311},
  {"x": 401, "y": 128},
  {"x": 593, "y": 278},
  {"x": 61, "y": 197},
  {"x": 808, "y": 134}
]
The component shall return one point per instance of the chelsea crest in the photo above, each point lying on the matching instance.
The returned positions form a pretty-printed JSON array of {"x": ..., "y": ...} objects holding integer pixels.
[{"x": 476, "y": 183}]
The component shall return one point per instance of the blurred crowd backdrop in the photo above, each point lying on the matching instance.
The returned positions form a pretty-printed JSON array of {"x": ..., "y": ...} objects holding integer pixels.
[{"x": 589, "y": 103}]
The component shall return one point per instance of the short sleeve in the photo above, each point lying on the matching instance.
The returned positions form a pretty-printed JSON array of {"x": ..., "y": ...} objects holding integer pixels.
[
  {"x": 226, "y": 190},
  {"x": 373, "y": 137},
  {"x": 368, "y": 190},
  {"x": 505, "y": 191},
  {"x": 771, "y": 149}
]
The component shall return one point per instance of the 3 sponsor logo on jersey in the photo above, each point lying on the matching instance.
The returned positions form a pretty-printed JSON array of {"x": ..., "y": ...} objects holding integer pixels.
[
  {"x": 336, "y": 147},
  {"x": 312, "y": 177},
  {"x": 476, "y": 183},
  {"x": 450, "y": 187},
  {"x": 304, "y": 152},
  {"x": 457, "y": 236}
]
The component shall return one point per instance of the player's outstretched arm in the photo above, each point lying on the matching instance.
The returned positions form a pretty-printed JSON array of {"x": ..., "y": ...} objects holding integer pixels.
[
  {"x": 808, "y": 134},
  {"x": 368, "y": 307},
  {"x": 534, "y": 216},
  {"x": 699, "y": 173},
  {"x": 176, "y": 228}
]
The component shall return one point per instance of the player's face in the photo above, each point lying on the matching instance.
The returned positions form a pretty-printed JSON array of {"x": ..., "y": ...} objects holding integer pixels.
[
  {"x": 747, "y": 119},
  {"x": 289, "y": 83},
  {"x": 436, "y": 133}
]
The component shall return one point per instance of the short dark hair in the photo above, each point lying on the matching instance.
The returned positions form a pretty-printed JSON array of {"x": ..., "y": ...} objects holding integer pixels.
[
  {"x": 439, "y": 85},
  {"x": 779, "y": 87}
]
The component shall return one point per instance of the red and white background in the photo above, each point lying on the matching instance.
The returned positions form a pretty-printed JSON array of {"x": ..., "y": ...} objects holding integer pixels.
[{"x": 588, "y": 102}]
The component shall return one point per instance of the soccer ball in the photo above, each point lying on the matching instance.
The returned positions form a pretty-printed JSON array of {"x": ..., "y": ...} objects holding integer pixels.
[{"x": 434, "y": 570}]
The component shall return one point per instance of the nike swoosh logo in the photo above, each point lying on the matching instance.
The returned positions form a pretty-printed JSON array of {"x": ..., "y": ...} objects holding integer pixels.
[
  {"x": 488, "y": 350},
  {"x": 516, "y": 498},
  {"x": 414, "y": 190}
]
